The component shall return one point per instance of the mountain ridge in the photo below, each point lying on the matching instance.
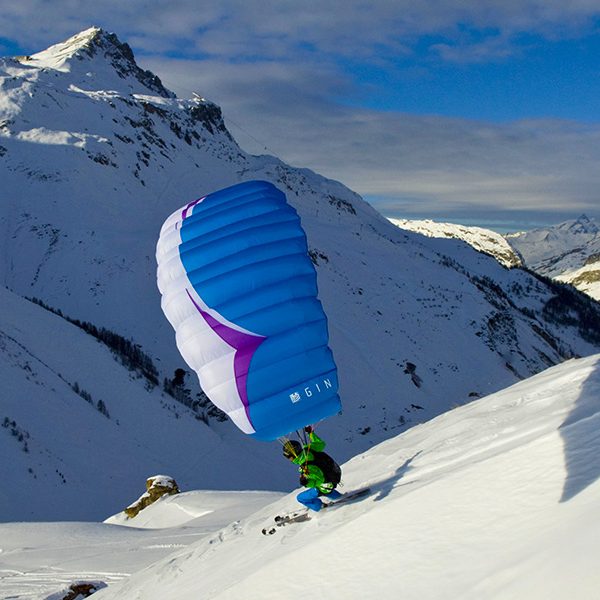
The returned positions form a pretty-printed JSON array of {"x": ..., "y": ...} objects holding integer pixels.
[
  {"x": 568, "y": 252},
  {"x": 484, "y": 240}
]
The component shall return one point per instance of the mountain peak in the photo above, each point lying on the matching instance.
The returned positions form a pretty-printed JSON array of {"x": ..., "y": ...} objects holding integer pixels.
[
  {"x": 587, "y": 224},
  {"x": 583, "y": 224},
  {"x": 84, "y": 43},
  {"x": 93, "y": 43}
]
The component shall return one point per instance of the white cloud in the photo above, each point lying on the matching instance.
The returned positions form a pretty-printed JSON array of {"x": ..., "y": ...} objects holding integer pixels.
[
  {"x": 536, "y": 165},
  {"x": 277, "y": 71},
  {"x": 234, "y": 28}
]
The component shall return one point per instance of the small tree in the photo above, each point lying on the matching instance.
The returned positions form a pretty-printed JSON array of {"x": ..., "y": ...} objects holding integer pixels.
[
  {"x": 101, "y": 406},
  {"x": 176, "y": 387}
]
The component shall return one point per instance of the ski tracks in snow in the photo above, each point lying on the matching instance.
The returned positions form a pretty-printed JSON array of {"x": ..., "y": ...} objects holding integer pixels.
[{"x": 38, "y": 585}]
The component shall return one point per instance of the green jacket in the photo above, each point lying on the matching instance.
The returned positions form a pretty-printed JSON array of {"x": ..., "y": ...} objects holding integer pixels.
[{"x": 311, "y": 475}]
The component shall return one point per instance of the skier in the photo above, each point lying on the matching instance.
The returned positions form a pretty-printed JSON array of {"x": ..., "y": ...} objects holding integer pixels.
[{"x": 318, "y": 471}]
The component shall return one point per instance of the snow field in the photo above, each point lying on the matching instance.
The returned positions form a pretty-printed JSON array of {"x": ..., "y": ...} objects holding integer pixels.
[{"x": 483, "y": 501}]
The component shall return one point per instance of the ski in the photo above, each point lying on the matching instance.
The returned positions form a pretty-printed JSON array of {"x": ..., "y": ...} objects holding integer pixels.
[
  {"x": 349, "y": 496},
  {"x": 282, "y": 520},
  {"x": 299, "y": 516}
]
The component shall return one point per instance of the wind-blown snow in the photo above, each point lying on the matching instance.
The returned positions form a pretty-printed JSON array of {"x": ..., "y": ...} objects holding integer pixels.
[{"x": 497, "y": 500}]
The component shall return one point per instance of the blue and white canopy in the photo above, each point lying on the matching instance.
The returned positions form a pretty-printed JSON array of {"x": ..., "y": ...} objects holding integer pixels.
[{"x": 240, "y": 290}]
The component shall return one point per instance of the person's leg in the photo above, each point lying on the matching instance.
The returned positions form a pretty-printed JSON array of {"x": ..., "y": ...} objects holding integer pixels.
[
  {"x": 331, "y": 497},
  {"x": 310, "y": 499},
  {"x": 334, "y": 495}
]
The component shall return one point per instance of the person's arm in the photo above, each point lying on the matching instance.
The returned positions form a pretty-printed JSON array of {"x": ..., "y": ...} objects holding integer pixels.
[
  {"x": 312, "y": 477},
  {"x": 316, "y": 443}
]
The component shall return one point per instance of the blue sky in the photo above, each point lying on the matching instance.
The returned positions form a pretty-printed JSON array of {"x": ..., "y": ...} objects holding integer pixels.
[
  {"x": 478, "y": 111},
  {"x": 543, "y": 78}
]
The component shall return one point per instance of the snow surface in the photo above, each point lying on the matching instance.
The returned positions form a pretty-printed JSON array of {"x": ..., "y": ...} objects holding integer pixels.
[
  {"x": 586, "y": 278},
  {"x": 39, "y": 559},
  {"x": 496, "y": 499}
]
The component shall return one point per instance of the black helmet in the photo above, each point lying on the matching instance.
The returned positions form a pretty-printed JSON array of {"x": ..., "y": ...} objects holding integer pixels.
[{"x": 292, "y": 449}]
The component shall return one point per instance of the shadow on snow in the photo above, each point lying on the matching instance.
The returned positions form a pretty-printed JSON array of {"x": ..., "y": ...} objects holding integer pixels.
[
  {"x": 581, "y": 437},
  {"x": 383, "y": 488}
]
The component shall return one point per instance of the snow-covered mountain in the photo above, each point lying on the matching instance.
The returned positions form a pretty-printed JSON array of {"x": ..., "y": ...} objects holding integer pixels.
[
  {"x": 94, "y": 154},
  {"x": 494, "y": 500},
  {"x": 80, "y": 431},
  {"x": 568, "y": 252},
  {"x": 484, "y": 240}
]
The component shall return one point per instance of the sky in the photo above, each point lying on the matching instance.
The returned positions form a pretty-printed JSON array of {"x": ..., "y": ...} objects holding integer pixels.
[{"x": 480, "y": 112}]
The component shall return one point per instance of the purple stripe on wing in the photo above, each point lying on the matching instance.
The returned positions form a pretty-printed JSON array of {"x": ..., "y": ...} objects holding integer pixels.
[{"x": 245, "y": 345}]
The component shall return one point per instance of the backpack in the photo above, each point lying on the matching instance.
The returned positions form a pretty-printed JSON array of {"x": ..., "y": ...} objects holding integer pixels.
[{"x": 331, "y": 470}]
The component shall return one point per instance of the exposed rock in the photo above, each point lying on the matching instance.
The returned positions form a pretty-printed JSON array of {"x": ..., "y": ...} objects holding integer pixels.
[
  {"x": 83, "y": 589},
  {"x": 156, "y": 487}
]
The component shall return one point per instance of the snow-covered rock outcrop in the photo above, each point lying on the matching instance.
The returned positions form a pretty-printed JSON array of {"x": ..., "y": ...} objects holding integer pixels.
[{"x": 157, "y": 486}]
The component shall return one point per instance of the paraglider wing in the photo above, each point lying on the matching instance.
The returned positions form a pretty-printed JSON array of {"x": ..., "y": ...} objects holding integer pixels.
[{"x": 240, "y": 290}]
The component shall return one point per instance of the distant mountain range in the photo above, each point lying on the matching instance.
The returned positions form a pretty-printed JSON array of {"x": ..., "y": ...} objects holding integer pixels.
[
  {"x": 568, "y": 252},
  {"x": 94, "y": 154}
]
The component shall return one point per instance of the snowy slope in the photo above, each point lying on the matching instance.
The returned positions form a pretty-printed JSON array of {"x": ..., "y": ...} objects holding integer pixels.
[
  {"x": 495, "y": 500},
  {"x": 39, "y": 561},
  {"x": 568, "y": 252},
  {"x": 585, "y": 278},
  {"x": 63, "y": 459},
  {"x": 95, "y": 153},
  {"x": 484, "y": 240}
]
